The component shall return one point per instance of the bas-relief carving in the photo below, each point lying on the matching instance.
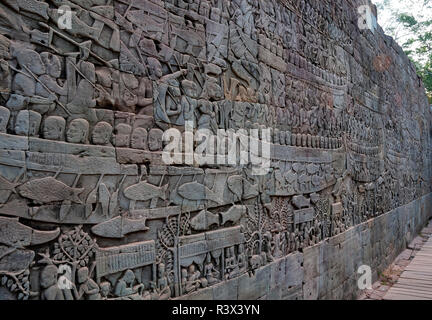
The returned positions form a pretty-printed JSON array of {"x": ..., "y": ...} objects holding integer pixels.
[{"x": 82, "y": 114}]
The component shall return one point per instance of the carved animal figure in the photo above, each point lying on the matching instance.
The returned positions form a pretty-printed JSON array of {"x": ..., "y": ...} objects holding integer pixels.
[
  {"x": 234, "y": 214},
  {"x": 204, "y": 220},
  {"x": 7, "y": 185},
  {"x": 241, "y": 187},
  {"x": 119, "y": 226},
  {"x": 144, "y": 191},
  {"x": 15, "y": 234},
  {"x": 197, "y": 191},
  {"x": 49, "y": 189}
]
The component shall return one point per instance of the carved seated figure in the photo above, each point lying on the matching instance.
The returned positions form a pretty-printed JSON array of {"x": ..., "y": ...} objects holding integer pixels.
[
  {"x": 105, "y": 288},
  {"x": 193, "y": 281},
  {"x": 126, "y": 289},
  {"x": 210, "y": 271},
  {"x": 88, "y": 287},
  {"x": 231, "y": 265},
  {"x": 49, "y": 284}
]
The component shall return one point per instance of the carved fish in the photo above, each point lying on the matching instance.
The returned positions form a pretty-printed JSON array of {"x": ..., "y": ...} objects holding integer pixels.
[
  {"x": 17, "y": 235},
  {"x": 49, "y": 189},
  {"x": 235, "y": 185},
  {"x": 144, "y": 191},
  {"x": 197, "y": 191},
  {"x": 7, "y": 185},
  {"x": 119, "y": 226},
  {"x": 249, "y": 190},
  {"x": 204, "y": 220},
  {"x": 234, "y": 214},
  {"x": 241, "y": 187}
]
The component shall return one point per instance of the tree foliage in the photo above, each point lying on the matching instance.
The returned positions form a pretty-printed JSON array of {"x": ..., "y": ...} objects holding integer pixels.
[{"x": 409, "y": 22}]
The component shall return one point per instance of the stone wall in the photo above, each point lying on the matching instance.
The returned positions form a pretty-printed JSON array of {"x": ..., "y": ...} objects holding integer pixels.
[
  {"x": 328, "y": 270},
  {"x": 332, "y": 153}
]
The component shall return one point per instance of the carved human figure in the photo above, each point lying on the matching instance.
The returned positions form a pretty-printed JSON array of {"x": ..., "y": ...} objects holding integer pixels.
[
  {"x": 77, "y": 131},
  {"x": 27, "y": 123},
  {"x": 105, "y": 288},
  {"x": 125, "y": 287},
  {"x": 173, "y": 106},
  {"x": 189, "y": 102},
  {"x": 139, "y": 139},
  {"x": 54, "y": 128},
  {"x": 210, "y": 271},
  {"x": 207, "y": 119},
  {"x": 123, "y": 135},
  {"x": 85, "y": 97},
  {"x": 101, "y": 134},
  {"x": 163, "y": 289},
  {"x": 164, "y": 91},
  {"x": 277, "y": 241},
  {"x": 49, "y": 83},
  {"x": 231, "y": 265},
  {"x": 155, "y": 139},
  {"x": 291, "y": 238},
  {"x": 4, "y": 119},
  {"x": 50, "y": 288},
  {"x": 88, "y": 288},
  {"x": 241, "y": 258},
  {"x": 192, "y": 282}
]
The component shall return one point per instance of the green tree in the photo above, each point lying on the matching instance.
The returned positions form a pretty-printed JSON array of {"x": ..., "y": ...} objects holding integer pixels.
[{"x": 409, "y": 22}]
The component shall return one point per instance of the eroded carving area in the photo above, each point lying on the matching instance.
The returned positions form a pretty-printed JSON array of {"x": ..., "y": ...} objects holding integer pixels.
[{"x": 89, "y": 209}]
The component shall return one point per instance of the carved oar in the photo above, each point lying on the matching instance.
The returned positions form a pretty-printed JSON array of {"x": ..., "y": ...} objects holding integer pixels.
[
  {"x": 114, "y": 198},
  {"x": 92, "y": 199}
]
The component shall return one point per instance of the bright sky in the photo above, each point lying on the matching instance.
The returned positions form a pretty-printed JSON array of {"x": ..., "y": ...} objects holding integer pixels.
[{"x": 388, "y": 8}]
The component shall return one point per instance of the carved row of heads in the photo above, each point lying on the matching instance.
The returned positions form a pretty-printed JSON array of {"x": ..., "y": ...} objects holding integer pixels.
[{"x": 28, "y": 123}]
